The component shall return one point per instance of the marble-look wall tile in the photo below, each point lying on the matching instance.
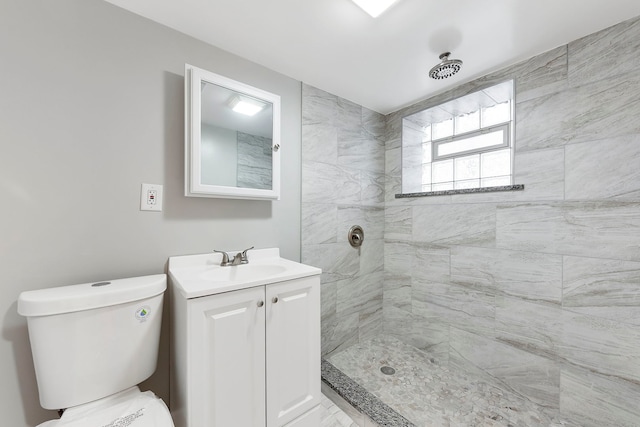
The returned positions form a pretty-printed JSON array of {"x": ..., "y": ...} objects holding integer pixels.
[
  {"x": 601, "y": 345},
  {"x": 464, "y": 308},
  {"x": 602, "y": 55},
  {"x": 344, "y": 334},
  {"x": 320, "y": 143},
  {"x": 397, "y": 222},
  {"x": 589, "y": 399},
  {"x": 532, "y": 377},
  {"x": 325, "y": 183},
  {"x": 602, "y": 287},
  {"x": 338, "y": 261},
  {"x": 597, "y": 172},
  {"x": 370, "y": 324},
  {"x": 533, "y": 327},
  {"x": 374, "y": 125},
  {"x": 592, "y": 229},
  {"x": 542, "y": 172},
  {"x": 590, "y": 112},
  {"x": 329, "y": 299},
  {"x": 431, "y": 263},
  {"x": 357, "y": 151},
  {"x": 398, "y": 257},
  {"x": 370, "y": 312},
  {"x": 393, "y": 174},
  {"x": 371, "y": 219},
  {"x": 320, "y": 223},
  {"x": 359, "y": 294},
  {"x": 328, "y": 313},
  {"x": 318, "y": 106},
  {"x": 348, "y": 116},
  {"x": 371, "y": 257},
  {"x": 461, "y": 224},
  {"x": 526, "y": 275},
  {"x": 372, "y": 188},
  {"x": 393, "y": 129},
  {"x": 543, "y": 74},
  {"x": 343, "y": 184},
  {"x": 431, "y": 335},
  {"x": 397, "y": 291},
  {"x": 398, "y": 323}
]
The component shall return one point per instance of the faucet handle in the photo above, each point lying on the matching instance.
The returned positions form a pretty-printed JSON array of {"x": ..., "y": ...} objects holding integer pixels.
[
  {"x": 243, "y": 256},
  {"x": 225, "y": 257}
]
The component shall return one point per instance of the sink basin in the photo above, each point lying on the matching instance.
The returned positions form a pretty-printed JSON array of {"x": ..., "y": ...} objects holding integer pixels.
[
  {"x": 195, "y": 276},
  {"x": 241, "y": 273}
]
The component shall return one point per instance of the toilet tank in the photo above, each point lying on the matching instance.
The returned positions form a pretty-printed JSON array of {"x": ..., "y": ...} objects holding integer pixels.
[{"x": 95, "y": 339}]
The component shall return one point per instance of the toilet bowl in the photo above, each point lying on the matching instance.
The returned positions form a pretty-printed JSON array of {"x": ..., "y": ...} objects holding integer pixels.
[{"x": 91, "y": 345}]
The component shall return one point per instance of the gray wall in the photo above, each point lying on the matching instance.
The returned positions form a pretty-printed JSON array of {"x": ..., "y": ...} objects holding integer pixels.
[
  {"x": 343, "y": 185},
  {"x": 91, "y": 106},
  {"x": 537, "y": 290}
]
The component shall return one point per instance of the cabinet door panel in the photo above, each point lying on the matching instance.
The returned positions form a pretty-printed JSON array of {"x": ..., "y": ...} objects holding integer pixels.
[
  {"x": 309, "y": 419},
  {"x": 229, "y": 377},
  {"x": 293, "y": 349}
]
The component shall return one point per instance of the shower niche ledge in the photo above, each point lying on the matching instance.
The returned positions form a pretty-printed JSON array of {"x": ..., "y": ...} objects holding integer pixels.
[{"x": 245, "y": 341}]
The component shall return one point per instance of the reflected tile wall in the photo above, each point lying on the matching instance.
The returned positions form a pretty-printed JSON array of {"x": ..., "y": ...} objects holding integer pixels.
[{"x": 536, "y": 291}]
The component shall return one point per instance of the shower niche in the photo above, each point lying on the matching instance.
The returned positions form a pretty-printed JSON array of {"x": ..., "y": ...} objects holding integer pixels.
[{"x": 232, "y": 138}]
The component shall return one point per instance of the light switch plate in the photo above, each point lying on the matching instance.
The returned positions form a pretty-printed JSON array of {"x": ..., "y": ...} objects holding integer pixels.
[{"x": 151, "y": 197}]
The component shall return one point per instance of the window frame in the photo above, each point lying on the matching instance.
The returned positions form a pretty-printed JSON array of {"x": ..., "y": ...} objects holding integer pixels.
[
  {"x": 413, "y": 178},
  {"x": 506, "y": 142}
]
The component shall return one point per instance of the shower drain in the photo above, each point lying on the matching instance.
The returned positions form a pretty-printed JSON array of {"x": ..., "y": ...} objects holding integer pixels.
[{"x": 387, "y": 370}]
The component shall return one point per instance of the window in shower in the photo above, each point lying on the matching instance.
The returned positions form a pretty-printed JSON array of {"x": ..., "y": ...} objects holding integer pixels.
[{"x": 463, "y": 143}]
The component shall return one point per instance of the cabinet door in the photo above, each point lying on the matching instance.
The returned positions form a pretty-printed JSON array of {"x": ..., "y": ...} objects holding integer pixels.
[
  {"x": 293, "y": 349},
  {"x": 227, "y": 375}
]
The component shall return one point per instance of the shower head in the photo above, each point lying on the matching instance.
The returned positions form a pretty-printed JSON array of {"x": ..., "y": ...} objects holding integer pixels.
[{"x": 446, "y": 68}]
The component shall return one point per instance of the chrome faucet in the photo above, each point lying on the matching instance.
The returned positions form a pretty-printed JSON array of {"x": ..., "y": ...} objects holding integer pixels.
[{"x": 239, "y": 258}]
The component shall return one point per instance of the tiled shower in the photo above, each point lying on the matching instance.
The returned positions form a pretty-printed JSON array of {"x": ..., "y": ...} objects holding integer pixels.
[{"x": 536, "y": 291}]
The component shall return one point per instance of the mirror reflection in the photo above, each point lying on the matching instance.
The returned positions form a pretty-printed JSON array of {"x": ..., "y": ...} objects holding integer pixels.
[
  {"x": 236, "y": 138},
  {"x": 232, "y": 137}
]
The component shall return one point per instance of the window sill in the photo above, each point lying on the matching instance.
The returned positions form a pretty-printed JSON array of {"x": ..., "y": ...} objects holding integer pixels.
[{"x": 515, "y": 187}]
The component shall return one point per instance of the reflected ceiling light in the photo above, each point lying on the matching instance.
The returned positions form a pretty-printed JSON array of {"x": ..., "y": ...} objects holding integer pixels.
[
  {"x": 246, "y": 106},
  {"x": 374, "y": 7}
]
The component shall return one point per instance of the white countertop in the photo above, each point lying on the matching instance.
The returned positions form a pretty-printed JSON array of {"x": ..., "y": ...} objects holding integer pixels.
[{"x": 201, "y": 275}]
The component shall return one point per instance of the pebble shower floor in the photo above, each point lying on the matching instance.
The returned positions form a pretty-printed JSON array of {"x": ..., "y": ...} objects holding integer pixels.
[{"x": 431, "y": 395}]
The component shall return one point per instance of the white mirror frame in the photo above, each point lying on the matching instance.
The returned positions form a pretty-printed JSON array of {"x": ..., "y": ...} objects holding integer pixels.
[{"x": 194, "y": 187}]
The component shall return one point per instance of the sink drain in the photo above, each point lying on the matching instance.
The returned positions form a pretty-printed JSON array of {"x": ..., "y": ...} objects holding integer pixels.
[{"x": 387, "y": 370}]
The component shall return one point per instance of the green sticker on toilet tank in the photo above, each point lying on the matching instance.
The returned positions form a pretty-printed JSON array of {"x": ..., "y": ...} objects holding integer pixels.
[{"x": 143, "y": 313}]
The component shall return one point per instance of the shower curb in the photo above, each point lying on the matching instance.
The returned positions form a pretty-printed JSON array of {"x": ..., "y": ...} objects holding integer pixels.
[{"x": 361, "y": 399}]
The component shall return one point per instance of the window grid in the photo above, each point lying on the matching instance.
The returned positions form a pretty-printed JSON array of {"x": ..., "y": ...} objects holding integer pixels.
[
  {"x": 432, "y": 144},
  {"x": 472, "y": 133}
]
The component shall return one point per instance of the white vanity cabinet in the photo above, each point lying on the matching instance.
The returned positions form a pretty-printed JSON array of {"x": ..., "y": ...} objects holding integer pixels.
[{"x": 248, "y": 357}]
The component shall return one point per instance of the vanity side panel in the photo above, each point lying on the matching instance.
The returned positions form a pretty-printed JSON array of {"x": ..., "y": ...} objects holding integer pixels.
[{"x": 178, "y": 358}]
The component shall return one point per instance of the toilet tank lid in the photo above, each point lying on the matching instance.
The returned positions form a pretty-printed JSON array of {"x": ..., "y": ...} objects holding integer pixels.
[{"x": 87, "y": 296}]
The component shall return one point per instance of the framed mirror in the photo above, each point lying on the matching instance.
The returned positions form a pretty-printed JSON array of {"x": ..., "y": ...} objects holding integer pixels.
[{"x": 232, "y": 138}]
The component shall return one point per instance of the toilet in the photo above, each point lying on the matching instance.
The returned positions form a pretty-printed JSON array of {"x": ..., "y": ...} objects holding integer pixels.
[{"x": 92, "y": 344}]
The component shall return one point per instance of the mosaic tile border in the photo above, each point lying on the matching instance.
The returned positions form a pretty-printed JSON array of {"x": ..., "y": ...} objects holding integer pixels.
[{"x": 361, "y": 399}]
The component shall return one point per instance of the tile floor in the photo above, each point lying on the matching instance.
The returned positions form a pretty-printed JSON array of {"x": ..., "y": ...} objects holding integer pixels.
[
  {"x": 332, "y": 416},
  {"x": 431, "y": 395}
]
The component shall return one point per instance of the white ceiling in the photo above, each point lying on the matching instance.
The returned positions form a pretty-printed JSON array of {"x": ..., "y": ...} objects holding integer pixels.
[{"x": 382, "y": 63}]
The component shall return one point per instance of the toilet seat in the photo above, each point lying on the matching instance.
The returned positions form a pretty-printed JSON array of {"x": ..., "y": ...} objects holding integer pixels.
[{"x": 130, "y": 407}]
